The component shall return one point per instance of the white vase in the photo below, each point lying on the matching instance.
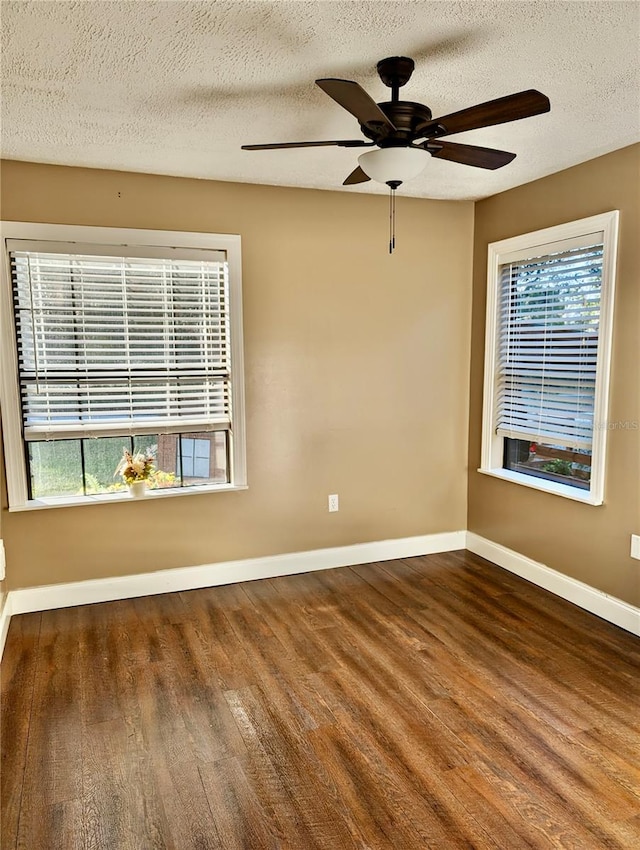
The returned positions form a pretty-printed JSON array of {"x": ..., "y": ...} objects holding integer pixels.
[{"x": 138, "y": 489}]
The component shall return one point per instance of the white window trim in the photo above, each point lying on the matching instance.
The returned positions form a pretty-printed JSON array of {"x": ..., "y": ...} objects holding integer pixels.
[
  {"x": 15, "y": 467},
  {"x": 492, "y": 445}
]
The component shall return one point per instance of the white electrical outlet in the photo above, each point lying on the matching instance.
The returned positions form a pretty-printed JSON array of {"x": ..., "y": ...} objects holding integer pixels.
[
  {"x": 635, "y": 546},
  {"x": 333, "y": 503},
  {"x": 2, "y": 561}
]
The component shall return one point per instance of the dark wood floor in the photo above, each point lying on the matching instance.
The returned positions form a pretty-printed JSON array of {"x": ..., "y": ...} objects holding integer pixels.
[{"x": 435, "y": 702}]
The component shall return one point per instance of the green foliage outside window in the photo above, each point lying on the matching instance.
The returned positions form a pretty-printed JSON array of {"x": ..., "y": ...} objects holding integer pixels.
[
  {"x": 57, "y": 467},
  {"x": 560, "y": 467}
]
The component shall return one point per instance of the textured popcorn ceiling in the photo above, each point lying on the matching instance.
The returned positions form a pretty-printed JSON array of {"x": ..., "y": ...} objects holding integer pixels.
[{"x": 177, "y": 87}]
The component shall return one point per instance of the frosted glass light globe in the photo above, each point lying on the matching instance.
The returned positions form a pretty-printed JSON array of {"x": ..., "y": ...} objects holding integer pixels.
[{"x": 393, "y": 164}]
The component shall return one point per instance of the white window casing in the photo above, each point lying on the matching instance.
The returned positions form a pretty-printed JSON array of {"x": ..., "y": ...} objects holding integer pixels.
[
  {"x": 549, "y": 325},
  {"x": 132, "y": 357}
]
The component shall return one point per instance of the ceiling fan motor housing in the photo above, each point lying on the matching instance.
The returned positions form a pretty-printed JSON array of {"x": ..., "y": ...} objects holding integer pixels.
[{"x": 407, "y": 117}]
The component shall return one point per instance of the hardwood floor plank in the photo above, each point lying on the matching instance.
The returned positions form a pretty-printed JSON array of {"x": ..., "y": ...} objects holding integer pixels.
[
  {"x": 542, "y": 822},
  {"x": 64, "y": 820},
  {"x": 169, "y": 768},
  {"x": 503, "y": 829},
  {"x": 55, "y": 729},
  {"x": 199, "y": 701},
  {"x": 112, "y": 789},
  {"x": 17, "y": 679},
  {"x": 241, "y": 821},
  {"x": 211, "y": 636},
  {"x": 376, "y": 803},
  {"x": 276, "y": 768}
]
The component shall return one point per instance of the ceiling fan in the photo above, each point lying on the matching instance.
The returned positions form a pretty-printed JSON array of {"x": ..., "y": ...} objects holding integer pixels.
[
  {"x": 403, "y": 132},
  {"x": 397, "y": 127}
]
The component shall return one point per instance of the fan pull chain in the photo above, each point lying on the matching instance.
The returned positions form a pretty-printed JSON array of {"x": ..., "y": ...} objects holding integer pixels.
[
  {"x": 393, "y": 185},
  {"x": 392, "y": 219}
]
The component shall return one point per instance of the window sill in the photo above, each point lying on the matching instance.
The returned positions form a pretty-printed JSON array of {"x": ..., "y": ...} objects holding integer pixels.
[
  {"x": 564, "y": 490},
  {"x": 109, "y": 498}
]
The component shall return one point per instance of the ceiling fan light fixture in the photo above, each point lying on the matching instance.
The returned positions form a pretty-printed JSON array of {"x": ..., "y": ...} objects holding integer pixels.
[{"x": 393, "y": 164}]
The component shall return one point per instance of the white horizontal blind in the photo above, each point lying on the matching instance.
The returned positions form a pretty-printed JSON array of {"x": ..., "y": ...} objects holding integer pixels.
[
  {"x": 113, "y": 345},
  {"x": 548, "y": 332}
]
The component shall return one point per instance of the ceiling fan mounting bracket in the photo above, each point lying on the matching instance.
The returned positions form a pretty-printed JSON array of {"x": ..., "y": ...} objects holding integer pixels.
[{"x": 395, "y": 71}]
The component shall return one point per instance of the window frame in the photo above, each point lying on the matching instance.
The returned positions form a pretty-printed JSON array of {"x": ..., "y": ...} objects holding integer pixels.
[
  {"x": 114, "y": 238},
  {"x": 492, "y": 444}
]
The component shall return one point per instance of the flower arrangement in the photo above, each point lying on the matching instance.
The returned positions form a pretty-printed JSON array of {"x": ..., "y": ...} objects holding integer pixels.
[{"x": 136, "y": 467}]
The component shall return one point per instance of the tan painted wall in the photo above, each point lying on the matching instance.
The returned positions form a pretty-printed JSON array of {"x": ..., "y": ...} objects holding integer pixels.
[
  {"x": 356, "y": 374},
  {"x": 586, "y": 542}
]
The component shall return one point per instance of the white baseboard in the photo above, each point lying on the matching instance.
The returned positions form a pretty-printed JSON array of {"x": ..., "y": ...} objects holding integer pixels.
[
  {"x": 209, "y": 575},
  {"x": 583, "y": 595},
  {"x": 44, "y": 598},
  {"x": 5, "y": 618}
]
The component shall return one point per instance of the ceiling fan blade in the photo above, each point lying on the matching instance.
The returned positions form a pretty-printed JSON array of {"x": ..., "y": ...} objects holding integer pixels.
[
  {"x": 469, "y": 154},
  {"x": 344, "y": 143},
  {"x": 356, "y": 176},
  {"x": 513, "y": 107},
  {"x": 352, "y": 97}
]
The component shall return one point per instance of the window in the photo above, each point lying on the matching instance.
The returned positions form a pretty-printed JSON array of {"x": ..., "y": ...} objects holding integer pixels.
[
  {"x": 120, "y": 339},
  {"x": 201, "y": 456},
  {"x": 547, "y": 357},
  {"x": 193, "y": 457}
]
